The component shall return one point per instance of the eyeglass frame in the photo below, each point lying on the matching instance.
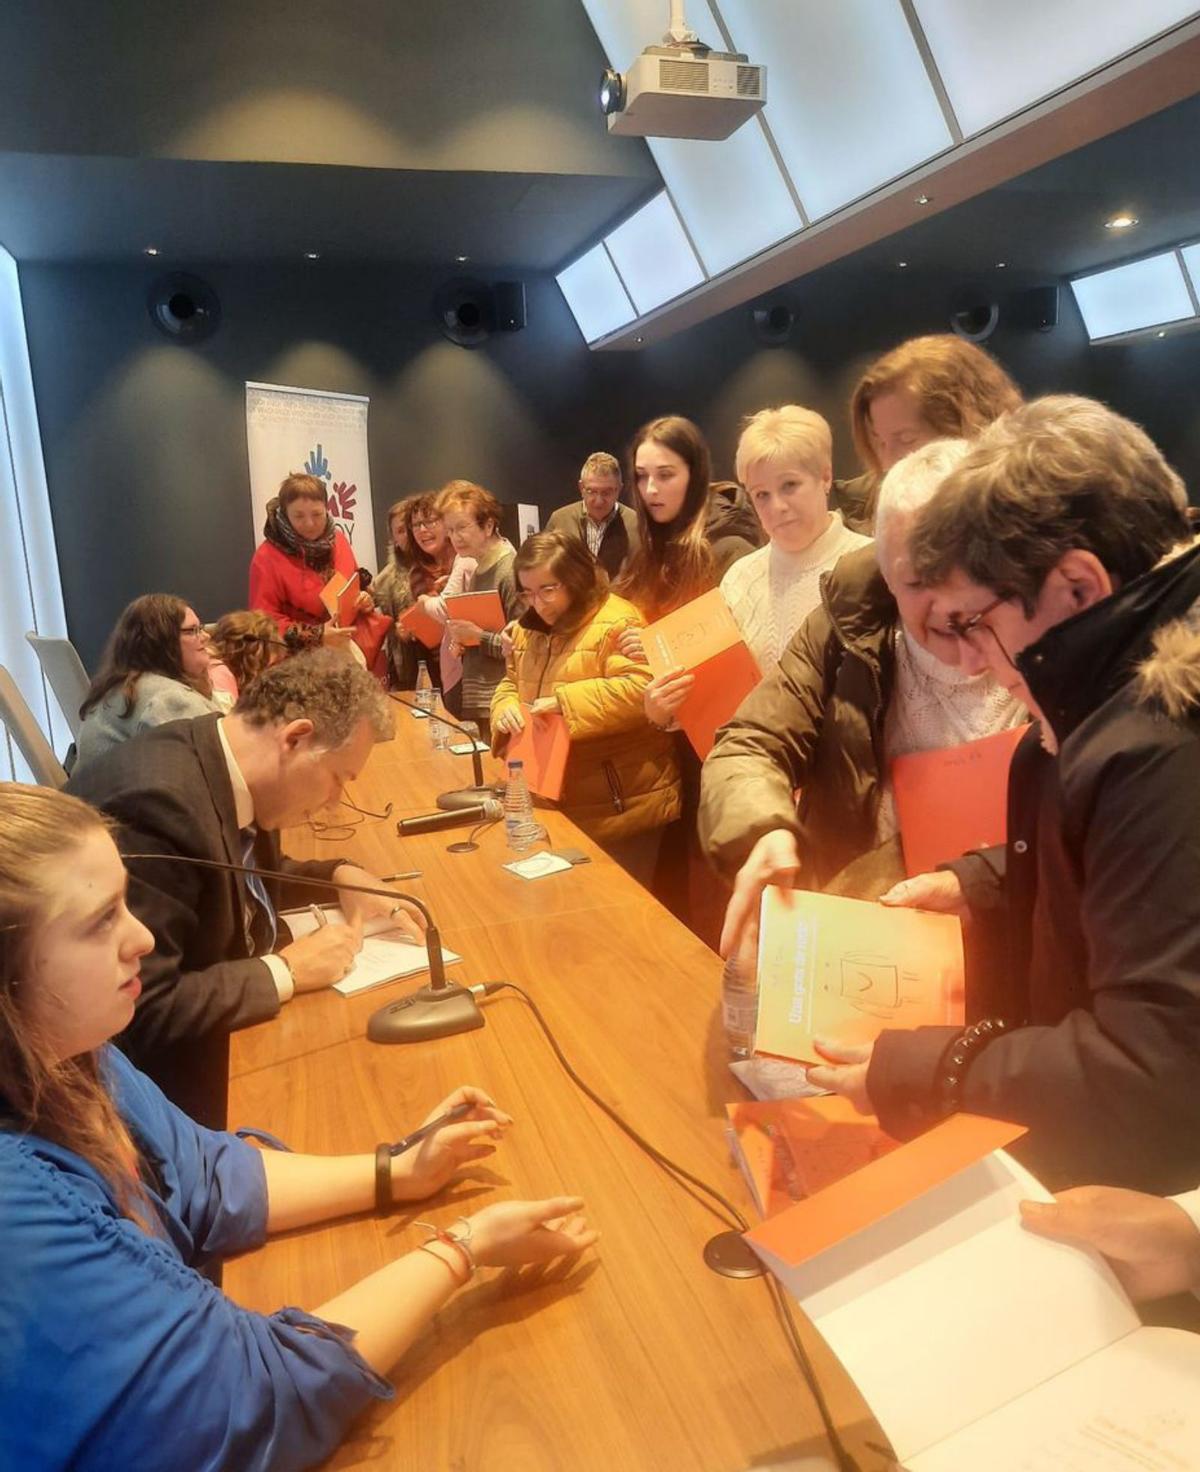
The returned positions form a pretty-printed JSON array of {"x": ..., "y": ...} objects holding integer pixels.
[
  {"x": 963, "y": 628},
  {"x": 193, "y": 631}
]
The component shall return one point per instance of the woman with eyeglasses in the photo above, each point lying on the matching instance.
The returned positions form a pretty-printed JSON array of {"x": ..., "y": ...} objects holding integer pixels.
[
  {"x": 117, "y": 1352},
  {"x": 392, "y": 592},
  {"x": 622, "y": 782},
  {"x": 869, "y": 676},
  {"x": 155, "y": 669},
  {"x": 432, "y": 557}
]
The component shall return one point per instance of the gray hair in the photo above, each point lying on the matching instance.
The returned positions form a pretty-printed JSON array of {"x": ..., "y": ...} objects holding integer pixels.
[
  {"x": 912, "y": 482},
  {"x": 325, "y": 687}
]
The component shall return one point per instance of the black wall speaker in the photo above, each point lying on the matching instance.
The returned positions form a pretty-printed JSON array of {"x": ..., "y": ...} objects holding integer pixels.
[
  {"x": 184, "y": 308},
  {"x": 1036, "y": 309},
  {"x": 465, "y": 310},
  {"x": 773, "y": 323},
  {"x": 973, "y": 313},
  {"x": 509, "y": 297}
]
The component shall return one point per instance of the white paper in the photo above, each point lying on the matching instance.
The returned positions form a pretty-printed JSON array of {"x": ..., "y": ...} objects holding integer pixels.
[
  {"x": 538, "y": 866},
  {"x": 463, "y": 748},
  {"x": 387, "y": 954},
  {"x": 1133, "y": 1407}
]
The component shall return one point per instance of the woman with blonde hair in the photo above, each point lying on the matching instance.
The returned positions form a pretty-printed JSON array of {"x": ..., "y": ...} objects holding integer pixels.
[
  {"x": 621, "y": 784},
  {"x": 117, "y": 1352},
  {"x": 244, "y": 644},
  {"x": 156, "y": 668},
  {"x": 929, "y": 388},
  {"x": 785, "y": 462}
]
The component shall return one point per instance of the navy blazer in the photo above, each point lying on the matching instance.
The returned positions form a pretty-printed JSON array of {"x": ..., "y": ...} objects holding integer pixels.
[{"x": 169, "y": 791}]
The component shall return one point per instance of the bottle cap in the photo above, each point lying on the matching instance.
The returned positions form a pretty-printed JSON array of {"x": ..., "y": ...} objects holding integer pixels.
[{"x": 516, "y": 766}]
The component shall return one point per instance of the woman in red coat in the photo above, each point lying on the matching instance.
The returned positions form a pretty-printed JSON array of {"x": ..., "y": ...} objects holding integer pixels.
[{"x": 302, "y": 551}]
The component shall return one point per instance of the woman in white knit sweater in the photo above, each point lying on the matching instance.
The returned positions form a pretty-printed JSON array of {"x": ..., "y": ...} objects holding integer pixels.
[{"x": 785, "y": 462}]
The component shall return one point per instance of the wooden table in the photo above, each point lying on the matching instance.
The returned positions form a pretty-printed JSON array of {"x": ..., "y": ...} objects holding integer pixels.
[{"x": 636, "y": 1358}]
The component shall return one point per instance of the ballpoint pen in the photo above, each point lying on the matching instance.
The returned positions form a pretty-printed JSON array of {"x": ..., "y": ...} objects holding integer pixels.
[
  {"x": 451, "y": 1116},
  {"x": 395, "y": 878}
]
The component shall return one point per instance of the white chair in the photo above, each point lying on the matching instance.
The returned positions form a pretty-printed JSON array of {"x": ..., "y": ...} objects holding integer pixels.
[
  {"x": 65, "y": 673},
  {"x": 25, "y": 731}
]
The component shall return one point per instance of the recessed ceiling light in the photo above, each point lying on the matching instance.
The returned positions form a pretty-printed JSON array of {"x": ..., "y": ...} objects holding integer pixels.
[
  {"x": 462, "y": 260},
  {"x": 902, "y": 264},
  {"x": 151, "y": 250},
  {"x": 1000, "y": 265},
  {"x": 312, "y": 255},
  {"x": 923, "y": 199},
  {"x": 1163, "y": 332},
  {"x": 639, "y": 339},
  {"x": 1123, "y": 221}
]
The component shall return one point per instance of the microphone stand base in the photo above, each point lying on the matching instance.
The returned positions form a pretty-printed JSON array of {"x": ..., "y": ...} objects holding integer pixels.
[
  {"x": 430, "y": 1012},
  {"x": 469, "y": 797}
]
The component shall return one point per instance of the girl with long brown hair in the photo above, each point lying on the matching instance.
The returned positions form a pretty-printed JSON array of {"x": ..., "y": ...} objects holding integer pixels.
[{"x": 117, "y": 1352}]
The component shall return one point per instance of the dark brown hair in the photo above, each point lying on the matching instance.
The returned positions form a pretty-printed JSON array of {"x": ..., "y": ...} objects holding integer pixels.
[
  {"x": 302, "y": 488},
  {"x": 63, "y": 1100},
  {"x": 424, "y": 569},
  {"x": 568, "y": 560},
  {"x": 673, "y": 563},
  {"x": 144, "y": 642},
  {"x": 1060, "y": 474},
  {"x": 958, "y": 387}
]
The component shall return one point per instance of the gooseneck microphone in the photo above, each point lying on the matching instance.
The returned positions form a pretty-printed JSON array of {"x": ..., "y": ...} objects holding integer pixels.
[
  {"x": 438, "y": 1010},
  {"x": 487, "y": 811},
  {"x": 460, "y": 797}
]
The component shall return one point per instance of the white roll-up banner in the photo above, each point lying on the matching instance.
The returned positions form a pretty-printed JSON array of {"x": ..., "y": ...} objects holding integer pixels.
[{"x": 302, "y": 431}]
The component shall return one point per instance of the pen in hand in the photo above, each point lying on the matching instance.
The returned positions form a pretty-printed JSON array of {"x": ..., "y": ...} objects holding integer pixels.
[{"x": 451, "y": 1116}]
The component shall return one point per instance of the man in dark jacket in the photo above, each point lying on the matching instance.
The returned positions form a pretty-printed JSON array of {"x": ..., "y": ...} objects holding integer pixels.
[
  {"x": 220, "y": 789},
  {"x": 1046, "y": 553},
  {"x": 606, "y": 528}
]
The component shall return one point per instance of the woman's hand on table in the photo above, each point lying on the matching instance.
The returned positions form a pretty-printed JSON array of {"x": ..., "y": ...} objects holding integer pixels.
[
  {"x": 512, "y": 1234},
  {"x": 664, "y": 695},
  {"x": 426, "y": 1168}
]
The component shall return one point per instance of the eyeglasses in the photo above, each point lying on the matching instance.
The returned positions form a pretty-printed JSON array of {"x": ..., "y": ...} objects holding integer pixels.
[
  {"x": 192, "y": 631},
  {"x": 547, "y": 590},
  {"x": 419, "y": 524},
  {"x": 970, "y": 629}
]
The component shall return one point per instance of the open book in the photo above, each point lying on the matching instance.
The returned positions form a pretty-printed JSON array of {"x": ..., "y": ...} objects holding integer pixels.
[
  {"x": 979, "y": 1346},
  {"x": 387, "y": 953}
]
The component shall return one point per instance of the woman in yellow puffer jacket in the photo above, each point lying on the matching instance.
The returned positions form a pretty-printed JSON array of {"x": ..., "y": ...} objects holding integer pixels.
[{"x": 622, "y": 781}]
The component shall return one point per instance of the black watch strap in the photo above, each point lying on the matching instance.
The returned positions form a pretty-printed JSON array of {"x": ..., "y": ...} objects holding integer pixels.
[{"x": 383, "y": 1178}]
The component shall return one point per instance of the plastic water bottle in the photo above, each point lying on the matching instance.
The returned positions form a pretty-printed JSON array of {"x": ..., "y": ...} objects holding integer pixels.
[
  {"x": 439, "y": 731},
  {"x": 520, "y": 830},
  {"x": 423, "y": 693},
  {"x": 739, "y": 998}
]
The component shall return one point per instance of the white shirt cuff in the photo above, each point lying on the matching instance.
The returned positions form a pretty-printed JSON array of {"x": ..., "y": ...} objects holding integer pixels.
[
  {"x": 1189, "y": 1202},
  {"x": 282, "y": 977}
]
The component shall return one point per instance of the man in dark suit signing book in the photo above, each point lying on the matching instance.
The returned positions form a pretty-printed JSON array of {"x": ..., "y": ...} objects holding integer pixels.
[
  {"x": 221, "y": 788},
  {"x": 597, "y": 519}
]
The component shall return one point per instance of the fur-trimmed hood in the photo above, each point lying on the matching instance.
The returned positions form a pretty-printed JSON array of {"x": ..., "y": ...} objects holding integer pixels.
[{"x": 1170, "y": 676}]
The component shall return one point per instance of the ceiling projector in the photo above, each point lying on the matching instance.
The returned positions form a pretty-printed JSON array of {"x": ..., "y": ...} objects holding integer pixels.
[{"x": 683, "y": 89}]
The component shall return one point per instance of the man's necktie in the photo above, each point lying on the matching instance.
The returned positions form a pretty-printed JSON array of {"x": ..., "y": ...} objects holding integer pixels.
[{"x": 258, "y": 893}]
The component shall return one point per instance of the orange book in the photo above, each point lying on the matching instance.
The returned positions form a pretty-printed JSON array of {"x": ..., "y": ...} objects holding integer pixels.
[
  {"x": 543, "y": 746},
  {"x": 423, "y": 626},
  {"x": 789, "y": 1149},
  {"x": 340, "y": 597},
  {"x": 845, "y": 969},
  {"x": 951, "y": 801},
  {"x": 880, "y": 1186},
  {"x": 704, "y": 639},
  {"x": 484, "y": 609}
]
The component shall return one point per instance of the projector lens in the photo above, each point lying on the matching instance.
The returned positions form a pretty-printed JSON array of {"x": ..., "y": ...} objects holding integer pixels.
[{"x": 612, "y": 92}]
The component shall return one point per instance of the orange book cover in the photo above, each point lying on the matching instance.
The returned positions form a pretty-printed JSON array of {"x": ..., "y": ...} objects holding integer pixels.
[
  {"x": 951, "y": 801},
  {"x": 340, "y": 597},
  {"x": 423, "y": 626},
  {"x": 789, "y": 1149},
  {"x": 704, "y": 639},
  {"x": 484, "y": 609},
  {"x": 808, "y": 1227},
  {"x": 543, "y": 746},
  {"x": 845, "y": 969}
]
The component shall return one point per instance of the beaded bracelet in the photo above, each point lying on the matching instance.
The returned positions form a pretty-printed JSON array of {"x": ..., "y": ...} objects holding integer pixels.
[
  {"x": 958, "y": 1057},
  {"x": 457, "y": 1240}
]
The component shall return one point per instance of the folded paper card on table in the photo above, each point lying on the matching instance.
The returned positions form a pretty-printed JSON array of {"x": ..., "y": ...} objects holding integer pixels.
[
  {"x": 843, "y": 970},
  {"x": 539, "y": 866},
  {"x": 484, "y": 609},
  {"x": 340, "y": 597},
  {"x": 386, "y": 955},
  {"x": 954, "y": 800},
  {"x": 789, "y": 1149},
  {"x": 422, "y": 625},
  {"x": 977, "y": 1344},
  {"x": 544, "y": 747},
  {"x": 703, "y": 638}
]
